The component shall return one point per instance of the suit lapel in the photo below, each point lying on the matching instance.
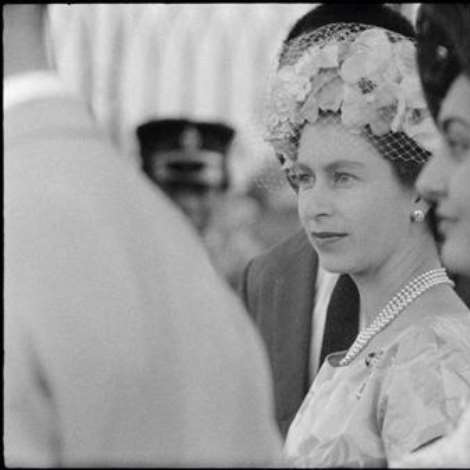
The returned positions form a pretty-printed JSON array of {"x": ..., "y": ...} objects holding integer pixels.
[{"x": 293, "y": 303}]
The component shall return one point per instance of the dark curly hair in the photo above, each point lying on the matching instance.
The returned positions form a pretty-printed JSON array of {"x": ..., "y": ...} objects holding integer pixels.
[{"x": 443, "y": 48}]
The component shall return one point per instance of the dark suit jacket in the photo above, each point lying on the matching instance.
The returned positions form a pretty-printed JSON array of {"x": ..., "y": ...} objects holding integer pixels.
[{"x": 278, "y": 289}]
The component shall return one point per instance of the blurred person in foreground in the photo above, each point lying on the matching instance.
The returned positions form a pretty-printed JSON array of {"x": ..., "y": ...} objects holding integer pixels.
[
  {"x": 444, "y": 65},
  {"x": 351, "y": 129},
  {"x": 122, "y": 346},
  {"x": 188, "y": 161}
]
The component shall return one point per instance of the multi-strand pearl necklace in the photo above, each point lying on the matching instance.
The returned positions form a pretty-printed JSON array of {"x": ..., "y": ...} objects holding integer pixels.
[{"x": 394, "y": 307}]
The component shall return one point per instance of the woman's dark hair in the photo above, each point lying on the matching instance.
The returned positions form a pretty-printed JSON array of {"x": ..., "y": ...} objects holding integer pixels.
[
  {"x": 392, "y": 145},
  {"x": 443, "y": 49},
  {"x": 374, "y": 14}
]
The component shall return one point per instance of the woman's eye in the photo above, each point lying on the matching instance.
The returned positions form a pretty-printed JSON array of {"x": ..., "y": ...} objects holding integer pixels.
[
  {"x": 458, "y": 147},
  {"x": 342, "y": 178},
  {"x": 300, "y": 180},
  {"x": 305, "y": 180}
]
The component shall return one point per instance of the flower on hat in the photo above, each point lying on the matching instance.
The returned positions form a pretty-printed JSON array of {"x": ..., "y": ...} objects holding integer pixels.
[
  {"x": 370, "y": 79},
  {"x": 355, "y": 111},
  {"x": 413, "y": 95},
  {"x": 369, "y": 54},
  {"x": 309, "y": 110},
  {"x": 317, "y": 58},
  {"x": 330, "y": 96},
  {"x": 404, "y": 56},
  {"x": 326, "y": 93},
  {"x": 293, "y": 83}
]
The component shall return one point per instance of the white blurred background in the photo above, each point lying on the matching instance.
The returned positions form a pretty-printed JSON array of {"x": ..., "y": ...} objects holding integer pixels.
[{"x": 134, "y": 62}]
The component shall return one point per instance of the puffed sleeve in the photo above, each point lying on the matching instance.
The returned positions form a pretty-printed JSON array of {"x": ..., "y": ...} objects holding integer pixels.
[{"x": 423, "y": 392}]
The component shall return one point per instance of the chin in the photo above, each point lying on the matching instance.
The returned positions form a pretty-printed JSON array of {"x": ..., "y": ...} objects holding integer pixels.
[
  {"x": 336, "y": 264},
  {"x": 456, "y": 256}
]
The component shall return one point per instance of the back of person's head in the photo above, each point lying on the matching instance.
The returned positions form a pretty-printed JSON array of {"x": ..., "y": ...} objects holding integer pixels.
[
  {"x": 364, "y": 13},
  {"x": 443, "y": 35}
]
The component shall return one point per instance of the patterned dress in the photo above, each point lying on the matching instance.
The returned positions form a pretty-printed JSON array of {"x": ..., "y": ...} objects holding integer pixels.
[{"x": 388, "y": 402}]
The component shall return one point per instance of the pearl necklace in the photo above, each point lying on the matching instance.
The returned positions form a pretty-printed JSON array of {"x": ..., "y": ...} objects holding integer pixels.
[{"x": 394, "y": 307}]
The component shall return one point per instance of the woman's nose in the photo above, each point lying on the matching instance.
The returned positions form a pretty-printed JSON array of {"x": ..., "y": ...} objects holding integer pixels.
[
  {"x": 432, "y": 181},
  {"x": 315, "y": 202}
]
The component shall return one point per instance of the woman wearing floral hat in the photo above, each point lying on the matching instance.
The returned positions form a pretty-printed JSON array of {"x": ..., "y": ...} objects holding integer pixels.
[
  {"x": 444, "y": 66},
  {"x": 351, "y": 129}
]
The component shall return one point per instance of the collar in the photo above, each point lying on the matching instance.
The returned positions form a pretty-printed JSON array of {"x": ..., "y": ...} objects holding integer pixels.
[{"x": 26, "y": 86}]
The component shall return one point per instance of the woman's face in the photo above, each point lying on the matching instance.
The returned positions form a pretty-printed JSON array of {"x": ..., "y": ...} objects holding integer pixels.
[
  {"x": 354, "y": 210},
  {"x": 445, "y": 179}
]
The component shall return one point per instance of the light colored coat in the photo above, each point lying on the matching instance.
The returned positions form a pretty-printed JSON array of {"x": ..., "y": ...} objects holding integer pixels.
[
  {"x": 278, "y": 288},
  {"x": 122, "y": 346}
]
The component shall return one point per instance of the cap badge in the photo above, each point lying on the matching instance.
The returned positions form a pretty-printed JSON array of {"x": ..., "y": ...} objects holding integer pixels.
[{"x": 191, "y": 139}]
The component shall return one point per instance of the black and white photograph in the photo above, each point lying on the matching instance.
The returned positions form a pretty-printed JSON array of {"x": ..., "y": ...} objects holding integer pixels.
[{"x": 236, "y": 235}]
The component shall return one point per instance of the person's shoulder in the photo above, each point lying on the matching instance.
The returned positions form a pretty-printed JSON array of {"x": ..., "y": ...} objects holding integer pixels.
[
  {"x": 452, "y": 331},
  {"x": 294, "y": 250},
  {"x": 449, "y": 326},
  {"x": 438, "y": 337},
  {"x": 47, "y": 118}
]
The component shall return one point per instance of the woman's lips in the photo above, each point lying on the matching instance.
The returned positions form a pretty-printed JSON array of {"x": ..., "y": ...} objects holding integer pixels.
[{"x": 327, "y": 238}]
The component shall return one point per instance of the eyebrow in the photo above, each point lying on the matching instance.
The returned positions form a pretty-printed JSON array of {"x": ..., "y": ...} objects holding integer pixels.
[
  {"x": 343, "y": 163},
  {"x": 334, "y": 165}
]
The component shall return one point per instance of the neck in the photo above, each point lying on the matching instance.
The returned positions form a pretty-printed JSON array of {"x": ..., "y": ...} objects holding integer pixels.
[
  {"x": 377, "y": 286},
  {"x": 23, "y": 39}
]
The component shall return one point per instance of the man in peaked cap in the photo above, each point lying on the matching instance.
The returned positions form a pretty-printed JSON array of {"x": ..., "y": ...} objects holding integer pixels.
[{"x": 188, "y": 160}]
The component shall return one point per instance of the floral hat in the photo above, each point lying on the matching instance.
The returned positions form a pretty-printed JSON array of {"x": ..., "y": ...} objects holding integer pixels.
[{"x": 365, "y": 75}]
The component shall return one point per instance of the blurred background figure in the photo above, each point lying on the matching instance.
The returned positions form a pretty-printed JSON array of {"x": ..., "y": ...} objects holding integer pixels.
[
  {"x": 278, "y": 217},
  {"x": 188, "y": 160},
  {"x": 231, "y": 239}
]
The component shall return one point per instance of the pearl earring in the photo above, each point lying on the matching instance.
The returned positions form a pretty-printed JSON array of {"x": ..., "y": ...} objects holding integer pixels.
[{"x": 417, "y": 216}]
